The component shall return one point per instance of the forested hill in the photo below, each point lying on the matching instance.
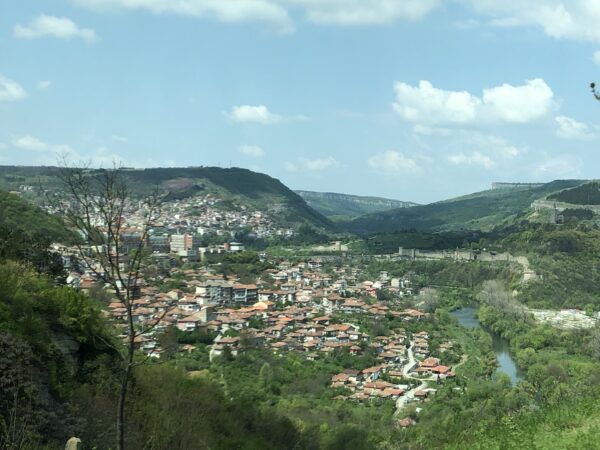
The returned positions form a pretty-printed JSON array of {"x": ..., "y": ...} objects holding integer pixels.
[
  {"x": 21, "y": 217},
  {"x": 479, "y": 211},
  {"x": 586, "y": 194},
  {"x": 255, "y": 190},
  {"x": 343, "y": 206}
]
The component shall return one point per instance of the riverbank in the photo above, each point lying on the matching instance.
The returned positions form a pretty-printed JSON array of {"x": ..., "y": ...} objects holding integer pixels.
[{"x": 467, "y": 317}]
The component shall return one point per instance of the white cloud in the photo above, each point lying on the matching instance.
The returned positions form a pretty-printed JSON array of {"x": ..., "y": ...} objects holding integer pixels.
[
  {"x": 596, "y": 57},
  {"x": 30, "y": 150},
  {"x": 392, "y": 162},
  {"x": 569, "y": 128},
  {"x": 519, "y": 104},
  {"x": 559, "y": 167},
  {"x": 469, "y": 145},
  {"x": 320, "y": 164},
  {"x": 43, "y": 85},
  {"x": 254, "y": 114},
  {"x": 30, "y": 143},
  {"x": 426, "y": 104},
  {"x": 290, "y": 166},
  {"x": 278, "y": 12},
  {"x": 470, "y": 159},
  {"x": 432, "y": 131},
  {"x": 229, "y": 11},
  {"x": 499, "y": 147},
  {"x": 560, "y": 19},
  {"x": 121, "y": 139},
  {"x": 51, "y": 26},
  {"x": 10, "y": 90},
  {"x": 253, "y": 151},
  {"x": 365, "y": 12},
  {"x": 312, "y": 165}
]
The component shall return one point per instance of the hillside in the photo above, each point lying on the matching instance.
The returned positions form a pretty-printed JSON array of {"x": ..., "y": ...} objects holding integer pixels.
[
  {"x": 23, "y": 217},
  {"x": 255, "y": 190},
  {"x": 346, "y": 207},
  {"x": 586, "y": 194},
  {"x": 479, "y": 211}
]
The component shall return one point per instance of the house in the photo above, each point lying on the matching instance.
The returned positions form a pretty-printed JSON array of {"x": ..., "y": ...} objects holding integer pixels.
[
  {"x": 339, "y": 380},
  {"x": 441, "y": 370},
  {"x": 245, "y": 293},
  {"x": 389, "y": 357},
  {"x": 430, "y": 363},
  {"x": 354, "y": 376},
  {"x": 333, "y": 302},
  {"x": 236, "y": 247},
  {"x": 214, "y": 292},
  {"x": 196, "y": 320},
  {"x": 220, "y": 344},
  {"x": 189, "y": 304},
  {"x": 371, "y": 373},
  {"x": 392, "y": 393}
]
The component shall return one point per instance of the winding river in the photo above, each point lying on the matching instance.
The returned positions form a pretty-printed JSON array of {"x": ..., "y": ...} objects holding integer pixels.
[{"x": 467, "y": 317}]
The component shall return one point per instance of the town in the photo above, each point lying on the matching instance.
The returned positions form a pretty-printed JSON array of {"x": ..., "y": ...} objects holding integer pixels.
[{"x": 312, "y": 306}]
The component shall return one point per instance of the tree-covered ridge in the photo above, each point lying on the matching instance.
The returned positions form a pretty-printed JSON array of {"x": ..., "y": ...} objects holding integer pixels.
[
  {"x": 250, "y": 188},
  {"x": 586, "y": 194},
  {"x": 565, "y": 260},
  {"x": 26, "y": 233},
  {"x": 22, "y": 217},
  {"x": 479, "y": 211}
]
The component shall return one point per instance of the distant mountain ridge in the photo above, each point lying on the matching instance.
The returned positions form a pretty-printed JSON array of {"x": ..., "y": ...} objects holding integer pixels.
[
  {"x": 479, "y": 211},
  {"x": 255, "y": 190},
  {"x": 345, "y": 206}
]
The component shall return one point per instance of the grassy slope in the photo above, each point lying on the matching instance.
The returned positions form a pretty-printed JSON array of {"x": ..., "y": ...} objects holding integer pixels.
[
  {"x": 254, "y": 189},
  {"x": 482, "y": 210},
  {"x": 343, "y": 206}
]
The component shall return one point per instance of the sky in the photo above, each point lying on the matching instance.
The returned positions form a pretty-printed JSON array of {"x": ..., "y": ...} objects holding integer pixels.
[{"x": 416, "y": 100}]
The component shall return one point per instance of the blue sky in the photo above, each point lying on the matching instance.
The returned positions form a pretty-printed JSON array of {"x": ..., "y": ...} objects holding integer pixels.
[{"x": 416, "y": 99}]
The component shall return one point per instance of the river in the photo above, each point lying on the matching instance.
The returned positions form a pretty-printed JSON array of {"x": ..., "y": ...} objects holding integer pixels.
[{"x": 467, "y": 318}]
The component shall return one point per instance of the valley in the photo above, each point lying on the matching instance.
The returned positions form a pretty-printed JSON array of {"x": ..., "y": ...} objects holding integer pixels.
[{"x": 312, "y": 322}]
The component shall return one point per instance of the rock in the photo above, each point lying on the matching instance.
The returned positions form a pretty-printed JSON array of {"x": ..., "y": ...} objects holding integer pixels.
[{"x": 74, "y": 444}]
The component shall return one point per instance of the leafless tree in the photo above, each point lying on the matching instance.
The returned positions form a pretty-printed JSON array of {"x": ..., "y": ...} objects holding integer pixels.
[
  {"x": 98, "y": 203},
  {"x": 428, "y": 299},
  {"x": 495, "y": 294}
]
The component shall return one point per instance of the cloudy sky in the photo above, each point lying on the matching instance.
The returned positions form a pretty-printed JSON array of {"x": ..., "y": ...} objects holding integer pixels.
[{"x": 411, "y": 99}]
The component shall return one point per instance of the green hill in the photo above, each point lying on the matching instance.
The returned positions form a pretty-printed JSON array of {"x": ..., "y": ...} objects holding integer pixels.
[
  {"x": 479, "y": 211},
  {"x": 255, "y": 190},
  {"x": 19, "y": 215},
  {"x": 345, "y": 207},
  {"x": 586, "y": 194}
]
